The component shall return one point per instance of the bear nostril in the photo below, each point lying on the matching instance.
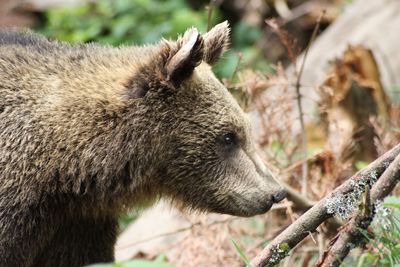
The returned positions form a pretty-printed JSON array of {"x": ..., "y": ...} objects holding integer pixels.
[{"x": 278, "y": 196}]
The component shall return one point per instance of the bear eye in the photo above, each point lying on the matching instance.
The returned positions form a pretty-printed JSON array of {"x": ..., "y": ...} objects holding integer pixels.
[{"x": 230, "y": 140}]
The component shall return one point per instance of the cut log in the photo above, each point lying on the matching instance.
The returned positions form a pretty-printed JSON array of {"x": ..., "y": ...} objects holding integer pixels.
[
  {"x": 372, "y": 24},
  {"x": 350, "y": 96}
]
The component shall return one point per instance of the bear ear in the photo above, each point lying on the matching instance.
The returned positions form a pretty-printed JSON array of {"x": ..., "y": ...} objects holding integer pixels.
[
  {"x": 216, "y": 42},
  {"x": 185, "y": 55}
]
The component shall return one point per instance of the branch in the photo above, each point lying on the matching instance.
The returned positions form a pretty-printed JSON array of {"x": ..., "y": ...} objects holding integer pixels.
[
  {"x": 351, "y": 235},
  {"x": 300, "y": 202},
  {"x": 210, "y": 9},
  {"x": 190, "y": 227},
  {"x": 341, "y": 201},
  {"x": 304, "y": 170}
]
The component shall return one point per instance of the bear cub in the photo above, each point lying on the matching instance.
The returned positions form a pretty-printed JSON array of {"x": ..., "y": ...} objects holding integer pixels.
[{"x": 88, "y": 131}]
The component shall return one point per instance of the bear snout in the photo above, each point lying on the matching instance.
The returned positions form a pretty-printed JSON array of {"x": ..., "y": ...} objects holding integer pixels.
[{"x": 279, "y": 195}]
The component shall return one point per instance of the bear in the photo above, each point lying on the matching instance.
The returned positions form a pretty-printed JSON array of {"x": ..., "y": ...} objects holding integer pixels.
[{"x": 88, "y": 131}]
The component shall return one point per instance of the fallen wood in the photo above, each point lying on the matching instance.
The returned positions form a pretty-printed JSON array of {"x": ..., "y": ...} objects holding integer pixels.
[
  {"x": 372, "y": 24},
  {"x": 341, "y": 201},
  {"x": 350, "y": 236},
  {"x": 350, "y": 96}
]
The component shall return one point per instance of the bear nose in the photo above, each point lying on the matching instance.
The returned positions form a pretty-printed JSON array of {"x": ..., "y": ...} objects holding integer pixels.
[{"x": 278, "y": 196}]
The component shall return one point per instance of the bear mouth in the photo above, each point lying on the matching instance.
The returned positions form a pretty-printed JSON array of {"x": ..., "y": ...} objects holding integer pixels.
[
  {"x": 260, "y": 208},
  {"x": 243, "y": 207}
]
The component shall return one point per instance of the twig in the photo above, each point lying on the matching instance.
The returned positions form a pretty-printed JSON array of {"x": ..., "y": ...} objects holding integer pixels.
[
  {"x": 177, "y": 231},
  {"x": 210, "y": 9},
  {"x": 286, "y": 40},
  {"x": 300, "y": 202},
  {"x": 351, "y": 235},
  {"x": 387, "y": 182},
  {"x": 302, "y": 161},
  {"x": 309, "y": 221},
  {"x": 304, "y": 167},
  {"x": 240, "y": 58},
  {"x": 313, "y": 36},
  {"x": 190, "y": 227},
  {"x": 303, "y": 10},
  {"x": 282, "y": 8}
]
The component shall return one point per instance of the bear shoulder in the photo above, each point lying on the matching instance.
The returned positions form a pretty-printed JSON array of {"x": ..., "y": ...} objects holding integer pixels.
[{"x": 25, "y": 37}]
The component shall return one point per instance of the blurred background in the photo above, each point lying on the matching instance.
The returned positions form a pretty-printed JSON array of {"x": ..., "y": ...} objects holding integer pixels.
[
  {"x": 138, "y": 22},
  {"x": 320, "y": 80}
]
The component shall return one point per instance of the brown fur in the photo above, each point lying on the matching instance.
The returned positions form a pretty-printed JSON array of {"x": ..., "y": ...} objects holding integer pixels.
[{"x": 88, "y": 131}]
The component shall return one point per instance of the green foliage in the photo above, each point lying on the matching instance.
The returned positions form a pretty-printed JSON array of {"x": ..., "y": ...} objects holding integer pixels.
[
  {"x": 159, "y": 262},
  {"x": 392, "y": 201},
  {"x": 384, "y": 247},
  {"x": 244, "y": 52},
  {"x": 119, "y": 22},
  {"x": 242, "y": 255},
  {"x": 125, "y": 22}
]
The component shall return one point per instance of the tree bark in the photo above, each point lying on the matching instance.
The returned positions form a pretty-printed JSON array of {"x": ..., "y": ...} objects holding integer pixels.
[{"x": 324, "y": 209}]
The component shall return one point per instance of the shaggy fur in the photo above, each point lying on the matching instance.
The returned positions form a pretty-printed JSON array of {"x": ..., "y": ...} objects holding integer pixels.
[{"x": 88, "y": 131}]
